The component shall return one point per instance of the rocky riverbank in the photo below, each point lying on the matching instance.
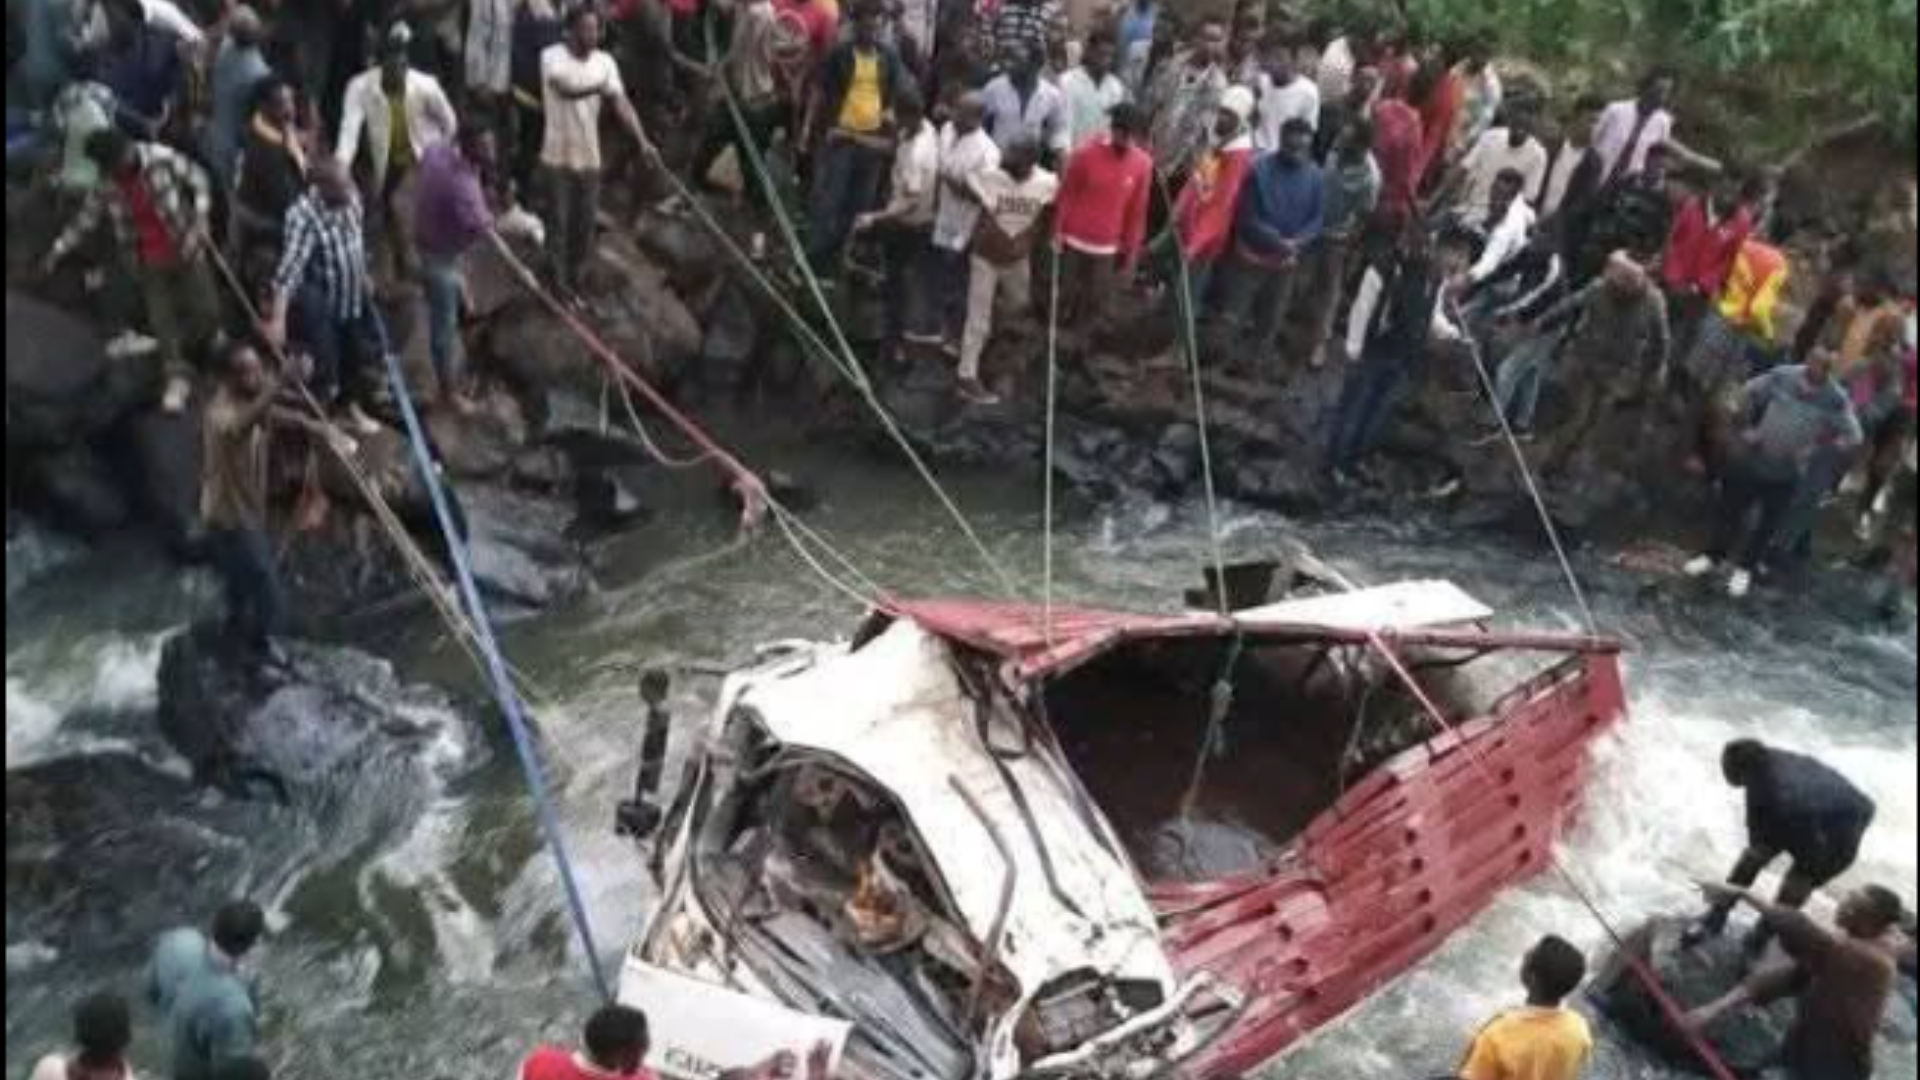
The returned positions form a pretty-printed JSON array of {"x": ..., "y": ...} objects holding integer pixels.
[{"x": 551, "y": 459}]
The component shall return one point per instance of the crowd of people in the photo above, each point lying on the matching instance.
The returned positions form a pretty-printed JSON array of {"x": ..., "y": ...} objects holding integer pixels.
[{"x": 1304, "y": 191}]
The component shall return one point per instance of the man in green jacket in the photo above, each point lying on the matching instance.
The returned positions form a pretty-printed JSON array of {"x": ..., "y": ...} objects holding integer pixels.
[{"x": 207, "y": 1009}]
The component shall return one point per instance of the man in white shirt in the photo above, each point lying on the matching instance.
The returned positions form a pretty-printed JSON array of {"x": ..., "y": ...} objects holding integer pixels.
[
  {"x": 1629, "y": 129},
  {"x": 1022, "y": 105},
  {"x": 394, "y": 115},
  {"x": 577, "y": 78},
  {"x": 1290, "y": 95},
  {"x": 967, "y": 151},
  {"x": 1502, "y": 149},
  {"x": 907, "y": 223},
  {"x": 1507, "y": 224},
  {"x": 1014, "y": 201},
  {"x": 1092, "y": 89}
]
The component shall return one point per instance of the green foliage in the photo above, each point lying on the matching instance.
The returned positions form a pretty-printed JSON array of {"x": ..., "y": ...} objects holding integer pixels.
[{"x": 1826, "y": 56}]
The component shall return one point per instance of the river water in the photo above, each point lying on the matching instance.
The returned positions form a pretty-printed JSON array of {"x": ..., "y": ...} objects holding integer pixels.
[{"x": 443, "y": 951}]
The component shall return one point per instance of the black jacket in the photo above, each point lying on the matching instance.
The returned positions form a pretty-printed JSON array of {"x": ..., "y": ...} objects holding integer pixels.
[
  {"x": 836, "y": 77},
  {"x": 1806, "y": 809}
]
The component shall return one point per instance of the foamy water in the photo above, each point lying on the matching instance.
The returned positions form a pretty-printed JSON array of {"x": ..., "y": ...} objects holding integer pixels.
[{"x": 447, "y": 951}]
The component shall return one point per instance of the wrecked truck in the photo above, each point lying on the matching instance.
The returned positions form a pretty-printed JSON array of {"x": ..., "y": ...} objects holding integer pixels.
[{"x": 983, "y": 841}]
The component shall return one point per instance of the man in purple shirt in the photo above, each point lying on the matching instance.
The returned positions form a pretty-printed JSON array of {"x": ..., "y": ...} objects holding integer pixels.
[{"x": 451, "y": 215}]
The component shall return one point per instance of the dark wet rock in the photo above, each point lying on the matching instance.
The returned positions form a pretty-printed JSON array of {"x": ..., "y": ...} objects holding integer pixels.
[
  {"x": 545, "y": 470},
  {"x": 606, "y": 500},
  {"x": 1178, "y": 458},
  {"x": 732, "y": 339},
  {"x": 342, "y": 567},
  {"x": 479, "y": 447},
  {"x": 79, "y": 491},
  {"x": 684, "y": 246},
  {"x": 534, "y": 354},
  {"x": 296, "y": 729},
  {"x": 522, "y": 555},
  {"x": 1287, "y": 485},
  {"x": 62, "y": 387},
  {"x": 164, "y": 465},
  {"x": 1698, "y": 977},
  {"x": 108, "y": 852},
  {"x": 34, "y": 551},
  {"x": 637, "y": 312}
]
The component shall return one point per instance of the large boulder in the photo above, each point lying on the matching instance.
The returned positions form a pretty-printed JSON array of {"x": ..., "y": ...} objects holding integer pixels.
[
  {"x": 165, "y": 459},
  {"x": 33, "y": 552},
  {"x": 522, "y": 554},
  {"x": 682, "y": 245},
  {"x": 1746, "y": 1041},
  {"x": 108, "y": 851},
  {"x": 303, "y": 726},
  {"x": 533, "y": 352},
  {"x": 482, "y": 446},
  {"x": 79, "y": 491},
  {"x": 640, "y": 312},
  {"x": 62, "y": 387}
]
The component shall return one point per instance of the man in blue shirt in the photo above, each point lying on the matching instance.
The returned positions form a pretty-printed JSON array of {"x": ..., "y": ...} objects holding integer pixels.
[
  {"x": 195, "y": 984},
  {"x": 1282, "y": 214}
]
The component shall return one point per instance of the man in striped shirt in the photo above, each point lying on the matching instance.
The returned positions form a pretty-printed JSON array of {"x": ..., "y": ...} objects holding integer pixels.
[
  {"x": 157, "y": 205},
  {"x": 323, "y": 281}
]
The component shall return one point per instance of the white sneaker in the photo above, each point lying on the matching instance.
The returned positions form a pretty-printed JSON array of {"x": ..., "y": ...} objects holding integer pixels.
[
  {"x": 179, "y": 392},
  {"x": 1740, "y": 586},
  {"x": 1864, "y": 531},
  {"x": 359, "y": 423},
  {"x": 1701, "y": 567},
  {"x": 129, "y": 344}
]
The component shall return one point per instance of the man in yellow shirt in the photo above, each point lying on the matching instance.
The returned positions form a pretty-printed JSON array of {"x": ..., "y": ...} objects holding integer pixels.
[
  {"x": 1546, "y": 1040},
  {"x": 853, "y": 116}
]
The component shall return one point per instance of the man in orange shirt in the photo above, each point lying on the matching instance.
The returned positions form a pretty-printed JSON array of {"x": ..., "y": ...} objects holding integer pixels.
[{"x": 1545, "y": 1040}]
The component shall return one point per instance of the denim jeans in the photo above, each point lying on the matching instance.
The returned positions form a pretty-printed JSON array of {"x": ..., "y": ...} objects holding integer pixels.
[
  {"x": 847, "y": 182},
  {"x": 1744, "y": 492},
  {"x": 1523, "y": 375},
  {"x": 1365, "y": 405},
  {"x": 1824, "y": 476},
  {"x": 441, "y": 283},
  {"x": 256, "y": 606},
  {"x": 349, "y": 355}
]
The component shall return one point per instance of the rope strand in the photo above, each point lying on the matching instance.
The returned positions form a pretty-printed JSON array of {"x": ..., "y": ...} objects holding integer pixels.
[
  {"x": 852, "y": 369},
  {"x": 1492, "y": 388}
]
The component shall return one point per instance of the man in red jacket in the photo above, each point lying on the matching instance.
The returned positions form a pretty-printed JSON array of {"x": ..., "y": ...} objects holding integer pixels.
[
  {"x": 1103, "y": 218},
  {"x": 1203, "y": 216},
  {"x": 1708, "y": 233},
  {"x": 617, "y": 1043}
]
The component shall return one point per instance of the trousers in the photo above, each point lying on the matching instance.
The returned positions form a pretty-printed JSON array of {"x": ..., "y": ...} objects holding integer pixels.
[
  {"x": 573, "y": 208},
  {"x": 991, "y": 286},
  {"x": 256, "y": 604},
  {"x": 1366, "y": 403},
  {"x": 441, "y": 283},
  {"x": 1747, "y": 492}
]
